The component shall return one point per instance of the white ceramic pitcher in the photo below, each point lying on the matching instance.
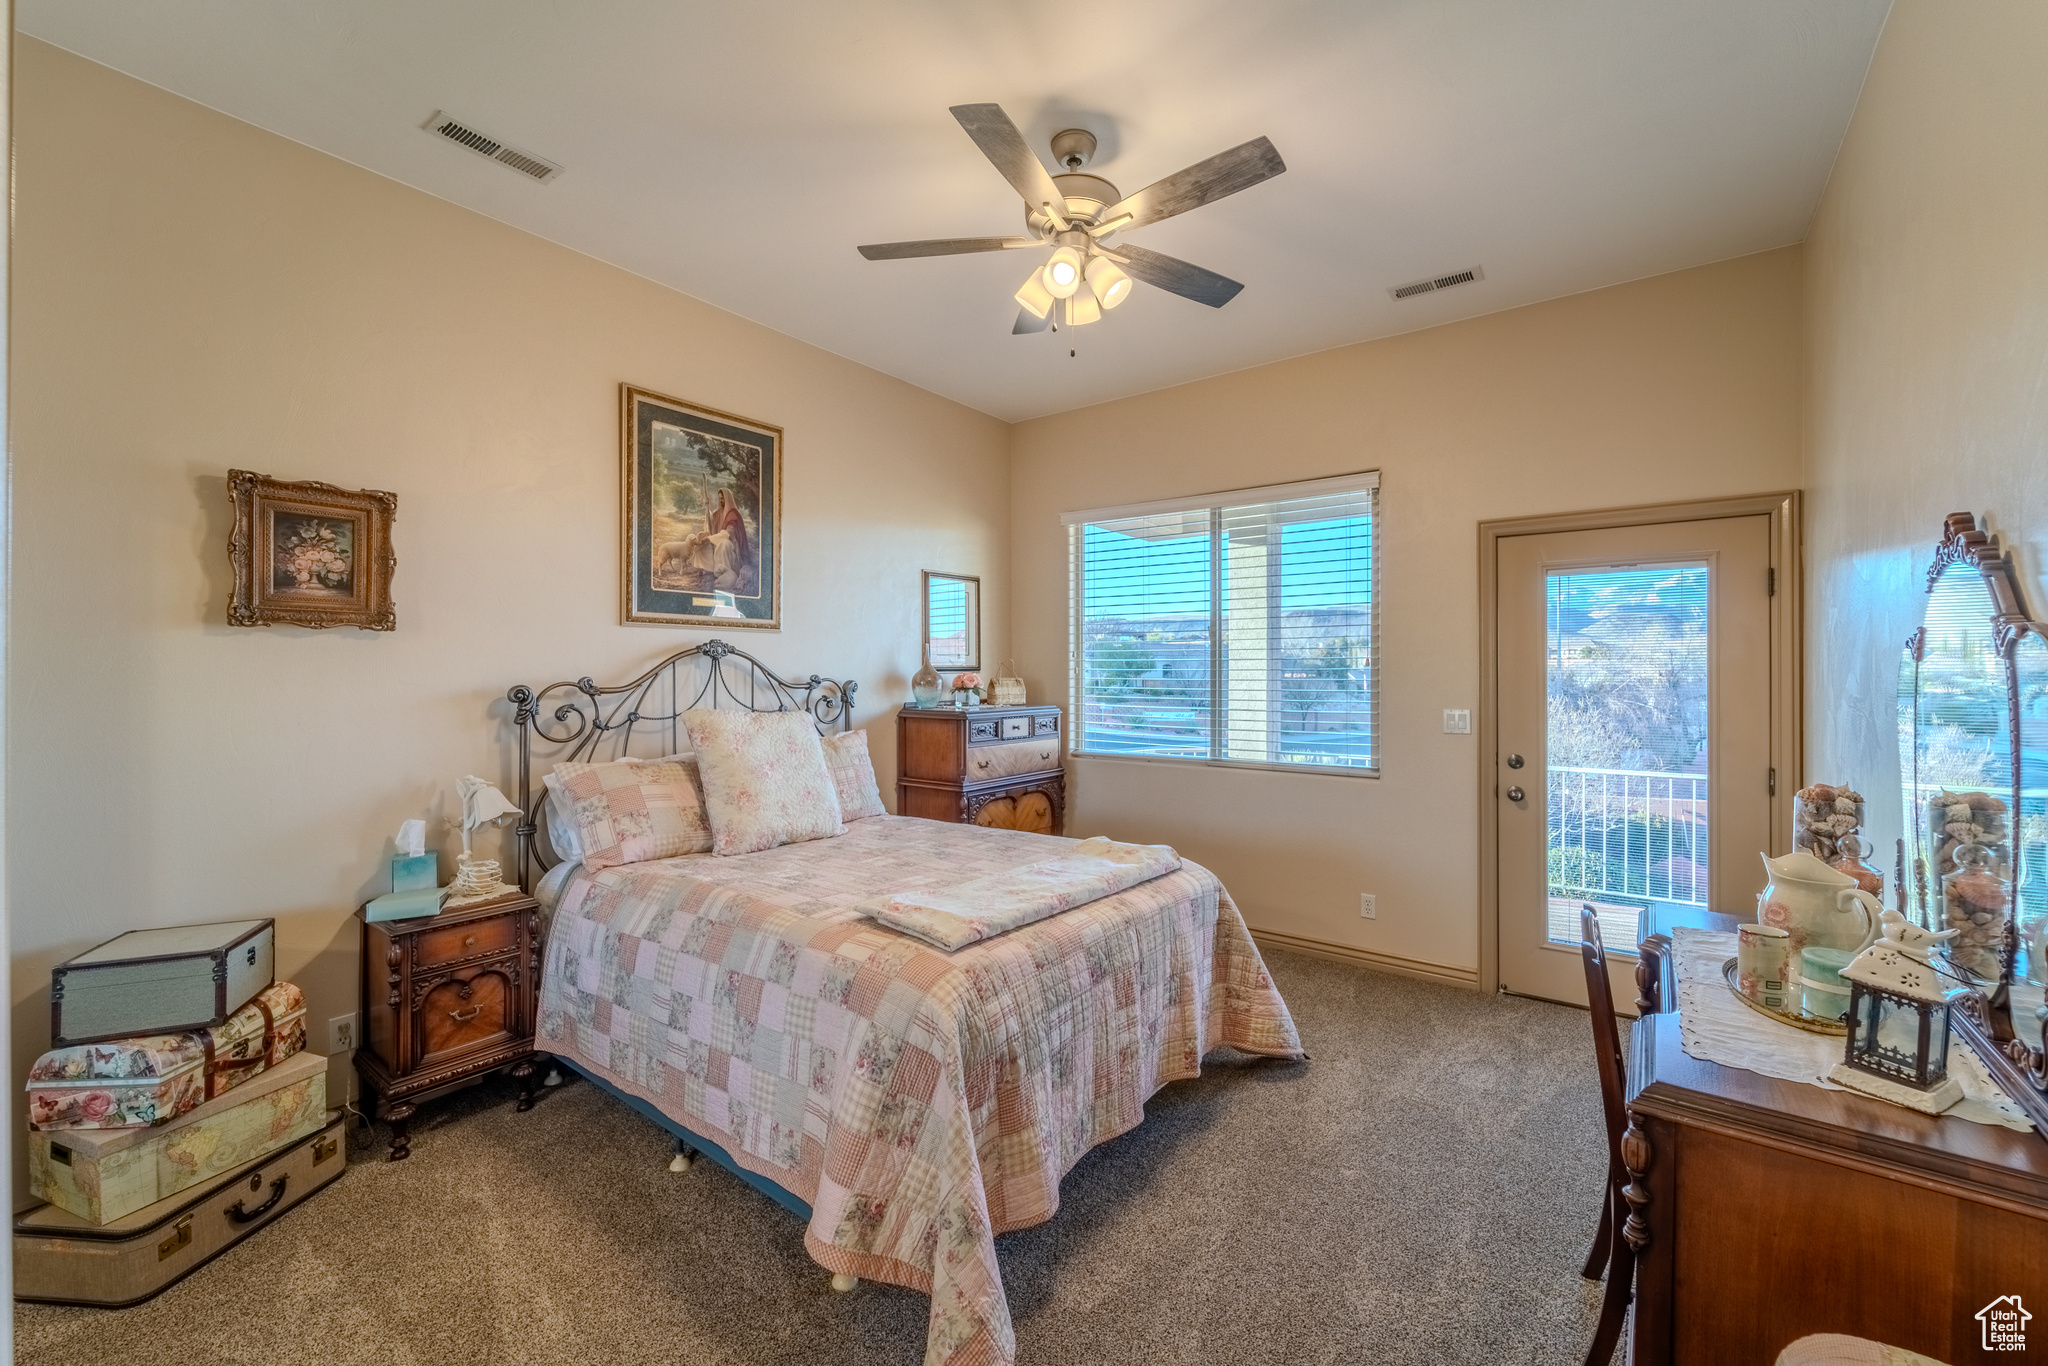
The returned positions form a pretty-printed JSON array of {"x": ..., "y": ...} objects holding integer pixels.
[{"x": 1818, "y": 906}]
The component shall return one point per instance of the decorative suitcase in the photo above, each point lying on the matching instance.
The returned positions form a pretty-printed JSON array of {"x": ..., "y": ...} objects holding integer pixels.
[
  {"x": 104, "y": 1174},
  {"x": 63, "y": 1259},
  {"x": 130, "y": 1083},
  {"x": 160, "y": 981}
]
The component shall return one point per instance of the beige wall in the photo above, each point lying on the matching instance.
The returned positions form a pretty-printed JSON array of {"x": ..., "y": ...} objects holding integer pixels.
[
  {"x": 1927, "y": 356},
  {"x": 1682, "y": 386},
  {"x": 195, "y": 294}
]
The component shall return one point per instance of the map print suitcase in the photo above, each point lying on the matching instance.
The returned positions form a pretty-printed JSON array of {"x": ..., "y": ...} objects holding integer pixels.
[
  {"x": 62, "y": 1259},
  {"x": 106, "y": 1174}
]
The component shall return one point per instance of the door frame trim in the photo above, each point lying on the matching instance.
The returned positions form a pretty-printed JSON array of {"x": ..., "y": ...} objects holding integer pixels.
[{"x": 1788, "y": 718}]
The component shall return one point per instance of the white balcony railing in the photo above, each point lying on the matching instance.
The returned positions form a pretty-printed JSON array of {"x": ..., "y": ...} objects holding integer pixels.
[{"x": 1621, "y": 834}]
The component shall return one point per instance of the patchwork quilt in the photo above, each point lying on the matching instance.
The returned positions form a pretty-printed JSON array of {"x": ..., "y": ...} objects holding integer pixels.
[{"x": 921, "y": 1102}]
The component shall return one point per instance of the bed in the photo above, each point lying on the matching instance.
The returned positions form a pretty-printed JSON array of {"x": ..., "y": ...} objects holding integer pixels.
[{"x": 908, "y": 1104}]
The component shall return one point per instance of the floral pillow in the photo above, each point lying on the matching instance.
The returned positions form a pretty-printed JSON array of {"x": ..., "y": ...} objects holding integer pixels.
[
  {"x": 765, "y": 780},
  {"x": 630, "y": 811},
  {"x": 853, "y": 775}
]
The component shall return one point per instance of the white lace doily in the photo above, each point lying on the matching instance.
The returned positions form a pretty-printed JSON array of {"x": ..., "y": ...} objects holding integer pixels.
[{"x": 1715, "y": 1027}]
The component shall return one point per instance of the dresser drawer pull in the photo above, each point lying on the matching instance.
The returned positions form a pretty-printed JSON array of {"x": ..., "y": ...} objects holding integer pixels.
[
  {"x": 981, "y": 763},
  {"x": 250, "y": 1216},
  {"x": 467, "y": 940},
  {"x": 465, "y": 1016}
]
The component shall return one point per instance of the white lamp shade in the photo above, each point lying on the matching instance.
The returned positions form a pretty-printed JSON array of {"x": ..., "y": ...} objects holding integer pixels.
[
  {"x": 1111, "y": 285},
  {"x": 1082, "y": 309},
  {"x": 1063, "y": 273},
  {"x": 1034, "y": 297}
]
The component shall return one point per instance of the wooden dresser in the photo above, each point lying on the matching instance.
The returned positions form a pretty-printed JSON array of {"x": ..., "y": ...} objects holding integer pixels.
[
  {"x": 995, "y": 766},
  {"x": 1764, "y": 1210},
  {"x": 447, "y": 1000}
]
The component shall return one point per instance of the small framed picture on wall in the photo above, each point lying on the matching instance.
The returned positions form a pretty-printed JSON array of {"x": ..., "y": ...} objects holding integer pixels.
[
  {"x": 310, "y": 554},
  {"x": 701, "y": 515}
]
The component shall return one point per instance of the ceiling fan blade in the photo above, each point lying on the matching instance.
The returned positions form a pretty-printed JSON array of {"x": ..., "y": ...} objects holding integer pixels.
[
  {"x": 1177, "y": 276},
  {"x": 944, "y": 246},
  {"x": 1002, "y": 144},
  {"x": 1226, "y": 173},
  {"x": 1027, "y": 323}
]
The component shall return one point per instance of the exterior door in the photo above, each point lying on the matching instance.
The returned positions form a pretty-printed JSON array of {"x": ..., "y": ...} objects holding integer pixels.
[{"x": 1633, "y": 725}]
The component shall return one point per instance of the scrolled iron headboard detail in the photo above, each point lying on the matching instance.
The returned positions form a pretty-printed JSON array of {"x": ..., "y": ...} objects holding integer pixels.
[{"x": 575, "y": 721}]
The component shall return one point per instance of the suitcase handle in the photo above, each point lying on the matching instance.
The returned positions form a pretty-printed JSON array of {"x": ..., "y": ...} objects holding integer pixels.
[{"x": 250, "y": 1216}]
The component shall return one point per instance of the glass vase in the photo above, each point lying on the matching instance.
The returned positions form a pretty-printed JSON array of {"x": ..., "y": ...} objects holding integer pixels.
[{"x": 924, "y": 684}]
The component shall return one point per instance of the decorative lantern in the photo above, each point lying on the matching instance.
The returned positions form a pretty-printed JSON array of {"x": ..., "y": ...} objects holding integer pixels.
[{"x": 1898, "y": 1022}]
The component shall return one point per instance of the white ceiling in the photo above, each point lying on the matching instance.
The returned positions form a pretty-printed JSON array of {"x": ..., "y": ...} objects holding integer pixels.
[{"x": 739, "y": 151}]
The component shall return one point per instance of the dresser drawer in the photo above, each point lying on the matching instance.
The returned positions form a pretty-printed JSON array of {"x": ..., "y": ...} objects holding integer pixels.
[
  {"x": 467, "y": 940},
  {"x": 986, "y": 763},
  {"x": 466, "y": 1013}
]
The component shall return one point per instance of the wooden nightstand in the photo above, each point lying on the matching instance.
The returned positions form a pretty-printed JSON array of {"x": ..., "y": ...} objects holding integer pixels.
[{"x": 447, "y": 1000}]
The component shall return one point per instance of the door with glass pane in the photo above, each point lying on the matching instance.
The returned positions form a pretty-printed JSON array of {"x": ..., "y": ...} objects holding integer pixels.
[{"x": 1633, "y": 722}]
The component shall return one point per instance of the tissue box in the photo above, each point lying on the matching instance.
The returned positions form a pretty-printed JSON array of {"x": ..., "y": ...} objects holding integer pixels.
[
  {"x": 101, "y": 1175},
  {"x": 160, "y": 981},
  {"x": 131, "y": 1083}
]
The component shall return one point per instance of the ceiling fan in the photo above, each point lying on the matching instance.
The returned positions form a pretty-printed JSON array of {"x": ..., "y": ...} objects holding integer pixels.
[{"x": 1076, "y": 212}]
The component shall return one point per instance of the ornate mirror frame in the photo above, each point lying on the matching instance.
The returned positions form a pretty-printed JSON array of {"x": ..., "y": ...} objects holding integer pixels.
[{"x": 2017, "y": 1058}]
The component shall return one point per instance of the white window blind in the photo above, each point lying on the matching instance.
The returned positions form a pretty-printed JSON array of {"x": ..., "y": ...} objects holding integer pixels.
[{"x": 1237, "y": 629}]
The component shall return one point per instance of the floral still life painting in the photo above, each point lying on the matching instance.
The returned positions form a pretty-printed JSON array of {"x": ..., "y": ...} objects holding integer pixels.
[
  {"x": 310, "y": 554},
  {"x": 701, "y": 514},
  {"x": 314, "y": 554}
]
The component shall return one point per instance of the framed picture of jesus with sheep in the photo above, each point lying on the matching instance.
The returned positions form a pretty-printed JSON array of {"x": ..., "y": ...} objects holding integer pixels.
[{"x": 700, "y": 516}]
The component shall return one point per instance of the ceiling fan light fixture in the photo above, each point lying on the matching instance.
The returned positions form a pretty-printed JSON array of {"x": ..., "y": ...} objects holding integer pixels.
[
  {"x": 1111, "y": 285},
  {"x": 1082, "y": 310},
  {"x": 1034, "y": 297},
  {"x": 1063, "y": 273}
]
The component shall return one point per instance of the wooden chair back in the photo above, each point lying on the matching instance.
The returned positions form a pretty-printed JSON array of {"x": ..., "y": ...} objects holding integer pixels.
[{"x": 1606, "y": 1033}]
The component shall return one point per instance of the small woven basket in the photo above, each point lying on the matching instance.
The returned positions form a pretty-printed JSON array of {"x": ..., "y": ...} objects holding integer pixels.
[{"x": 1009, "y": 689}]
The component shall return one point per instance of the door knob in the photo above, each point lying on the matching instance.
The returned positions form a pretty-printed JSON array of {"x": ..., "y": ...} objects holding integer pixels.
[
  {"x": 1514, "y": 761},
  {"x": 1515, "y": 794}
]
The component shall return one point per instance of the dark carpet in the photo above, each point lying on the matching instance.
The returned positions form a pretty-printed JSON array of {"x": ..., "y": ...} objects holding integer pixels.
[{"x": 1423, "y": 1191}]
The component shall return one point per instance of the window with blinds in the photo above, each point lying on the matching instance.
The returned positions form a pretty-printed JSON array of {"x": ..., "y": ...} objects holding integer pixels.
[{"x": 1241, "y": 628}]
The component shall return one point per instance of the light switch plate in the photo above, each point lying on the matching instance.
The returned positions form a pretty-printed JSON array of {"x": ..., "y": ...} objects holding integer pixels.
[{"x": 1457, "y": 722}]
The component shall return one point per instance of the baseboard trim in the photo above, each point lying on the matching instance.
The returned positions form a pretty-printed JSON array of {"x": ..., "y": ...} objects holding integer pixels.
[{"x": 1366, "y": 958}]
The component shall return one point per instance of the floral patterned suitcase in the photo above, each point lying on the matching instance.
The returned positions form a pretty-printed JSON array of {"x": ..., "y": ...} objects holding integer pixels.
[
  {"x": 61, "y": 1258},
  {"x": 129, "y": 1083},
  {"x": 105, "y": 1174}
]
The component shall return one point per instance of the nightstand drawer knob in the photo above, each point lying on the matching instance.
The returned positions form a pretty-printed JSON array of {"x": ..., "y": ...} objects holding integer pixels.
[
  {"x": 465, "y": 1016},
  {"x": 467, "y": 940}
]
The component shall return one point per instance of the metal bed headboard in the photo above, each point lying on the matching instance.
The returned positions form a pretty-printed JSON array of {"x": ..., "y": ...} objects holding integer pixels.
[{"x": 581, "y": 722}]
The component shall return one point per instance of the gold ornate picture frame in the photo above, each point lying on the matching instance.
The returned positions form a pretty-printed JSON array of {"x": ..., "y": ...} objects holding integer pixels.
[
  {"x": 310, "y": 554},
  {"x": 700, "y": 517}
]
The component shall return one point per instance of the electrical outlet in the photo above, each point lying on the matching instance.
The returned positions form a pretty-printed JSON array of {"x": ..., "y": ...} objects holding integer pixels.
[
  {"x": 1368, "y": 905},
  {"x": 1457, "y": 722},
  {"x": 341, "y": 1034}
]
